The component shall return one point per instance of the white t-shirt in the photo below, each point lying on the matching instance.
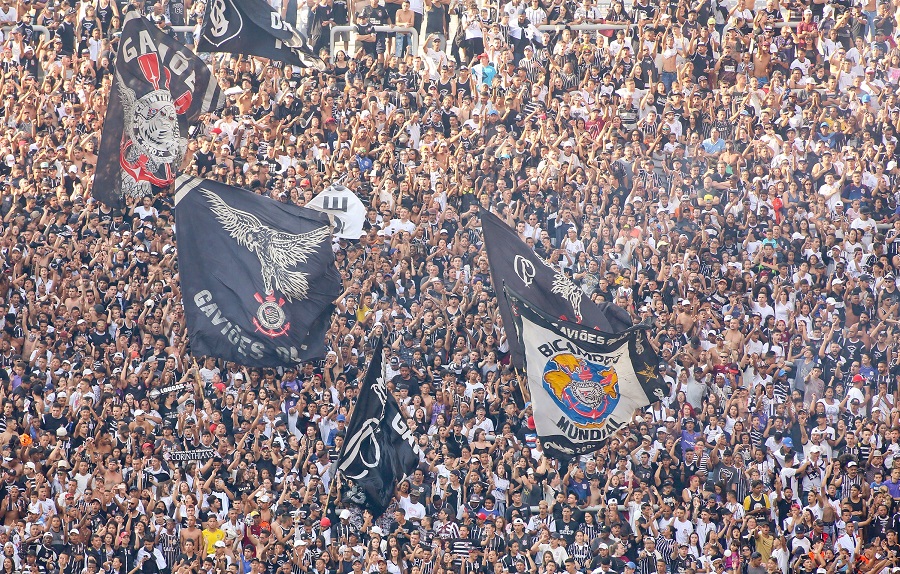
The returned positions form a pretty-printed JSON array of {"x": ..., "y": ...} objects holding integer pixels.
[
  {"x": 10, "y": 16},
  {"x": 683, "y": 530}
]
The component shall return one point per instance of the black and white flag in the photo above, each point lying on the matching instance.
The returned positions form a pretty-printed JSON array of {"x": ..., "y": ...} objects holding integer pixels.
[
  {"x": 159, "y": 88},
  {"x": 258, "y": 276},
  {"x": 585, "y": 384},
  {"x": 254, "y": 28},
  {"x": 379, "y": 449},
  {"x": 514, "y": 264},
  {"x": 345, "y": 208}
]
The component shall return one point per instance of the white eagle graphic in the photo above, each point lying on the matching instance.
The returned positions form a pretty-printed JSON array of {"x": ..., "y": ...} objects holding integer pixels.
[
  {"x": 277, "y": 251},
  {"x": 565, "y": 288}
]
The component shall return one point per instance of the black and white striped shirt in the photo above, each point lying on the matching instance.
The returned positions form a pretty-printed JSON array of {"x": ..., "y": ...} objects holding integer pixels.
[
  {"x": 664, "y": 547},
  {"x": 532, "y": 68},
  {"x": 580, "y": 553}
]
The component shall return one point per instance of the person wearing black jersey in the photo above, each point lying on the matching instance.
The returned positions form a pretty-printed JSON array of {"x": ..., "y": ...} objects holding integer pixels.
[
  {"x": 378, "y": 15},
  {"x": 66, "y": 32}
]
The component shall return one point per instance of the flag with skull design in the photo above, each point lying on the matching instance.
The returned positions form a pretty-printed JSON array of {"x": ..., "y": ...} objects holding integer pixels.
[{"x": 159, "y": 88}]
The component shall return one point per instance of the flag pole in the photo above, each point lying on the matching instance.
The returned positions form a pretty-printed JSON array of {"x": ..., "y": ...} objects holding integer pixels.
[{"x": 526, "y": 393}]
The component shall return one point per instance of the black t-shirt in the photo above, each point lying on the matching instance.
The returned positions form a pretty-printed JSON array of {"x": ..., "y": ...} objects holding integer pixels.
[
  {"x": 51, "y": 424},
  {"x": 103, "y": 338},
  {"x": 567, "y": 530},
  {"x": 66, "y": 33},
  {"x": 378, "y": 16},
  {"x": 204, "y": 160}
]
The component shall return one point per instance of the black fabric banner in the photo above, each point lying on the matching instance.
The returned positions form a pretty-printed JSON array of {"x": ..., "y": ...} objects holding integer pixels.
[
  {"x": 159, "y": 88},
  {"x": 517, "y": 266},
  {"x": 258, "y": 275},
  {"x": 585, "y": 384},
  {"x": 254, "y": 28},
  {"x": 379, "y": 448}
]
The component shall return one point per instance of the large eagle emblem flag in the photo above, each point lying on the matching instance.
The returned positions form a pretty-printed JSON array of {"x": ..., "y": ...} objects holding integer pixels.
[{"x": 258, "y": 275}]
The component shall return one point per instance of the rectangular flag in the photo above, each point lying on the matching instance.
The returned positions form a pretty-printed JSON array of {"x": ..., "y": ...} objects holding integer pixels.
[
  {"x": 254, "y": 28},
  {"x": 258, "y": 276},
  {"x": 379, "y": 449},
  {"x": 584, "y": 384},
  {"x": 159, "y": 88},
  {"x": 515, "y": 265}
]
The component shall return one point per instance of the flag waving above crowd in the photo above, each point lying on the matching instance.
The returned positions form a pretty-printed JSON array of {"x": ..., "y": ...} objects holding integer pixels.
[
  {"x": 258, "y": 275},
  {"x": 517, "y": 266},
  {"x": 585, "y": 384},
  {"x": 159, "y": 88},
  {"x": 379, "y": 448},
  {"x": 346, "y": 210},
  {"x": 253, "y": 28}
]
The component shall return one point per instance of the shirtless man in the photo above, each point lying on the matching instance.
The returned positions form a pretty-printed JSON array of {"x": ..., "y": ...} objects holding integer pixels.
[
  {"x": 14, "y": 507},
  {"x": 192, "y": 533},
  {"x": 112, "y": 472},
  {"x": 734, "y": 339}
]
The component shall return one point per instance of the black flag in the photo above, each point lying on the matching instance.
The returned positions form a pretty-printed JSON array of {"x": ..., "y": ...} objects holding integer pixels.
[
  {"x": 159, "y": 88},
  {"x": 258, "y": 276},
  {"x": 254, "y": 28},
  {"x": 379, "y": 448},
  {"x": 585, "y": 385},
  {"x": 517, "y": 266}
]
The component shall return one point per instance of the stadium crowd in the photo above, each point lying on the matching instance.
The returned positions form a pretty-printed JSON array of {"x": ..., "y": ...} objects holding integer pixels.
[{"x": 727, "y": 170}]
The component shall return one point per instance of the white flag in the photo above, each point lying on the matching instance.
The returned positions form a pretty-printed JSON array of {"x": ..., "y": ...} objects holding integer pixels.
[
  {"x": 584, "y": 384},
  {"x": 346, "y": 210}
]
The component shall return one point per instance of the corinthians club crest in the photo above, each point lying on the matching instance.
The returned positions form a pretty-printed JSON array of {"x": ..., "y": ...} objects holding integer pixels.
[
  {"x": 585, "y": 391},
  {"x": 224, "y": 23},
  {"x": 152, "y": 146},
  {"x": 277, "y": 252}
]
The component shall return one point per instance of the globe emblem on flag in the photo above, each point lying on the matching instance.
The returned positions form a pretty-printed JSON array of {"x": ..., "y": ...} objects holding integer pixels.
[{"x": 585, "y": 391}]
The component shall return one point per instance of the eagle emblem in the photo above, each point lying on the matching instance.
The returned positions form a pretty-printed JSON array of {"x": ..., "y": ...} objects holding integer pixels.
[
  {"x": 277, "y": 251},
  {"x": 568, "y": 290}
]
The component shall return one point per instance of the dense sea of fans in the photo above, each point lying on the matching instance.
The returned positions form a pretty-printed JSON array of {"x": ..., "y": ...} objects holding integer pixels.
[{"x": 727, "y": 170}]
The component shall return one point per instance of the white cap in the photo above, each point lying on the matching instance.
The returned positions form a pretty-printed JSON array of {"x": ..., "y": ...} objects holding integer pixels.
[
  {"x": 61, "y": 431},
  {"x": 345, "y": 514},
  {"x": 219, "y": 544},
  {"x": 814, "y": 449},
  {"x": 30, "y": 465},
  {"x": 138, "y": 412},
  {"x": 376, "y": 530}
]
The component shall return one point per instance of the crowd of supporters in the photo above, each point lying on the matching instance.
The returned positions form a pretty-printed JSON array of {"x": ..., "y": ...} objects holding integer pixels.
[{"x": 727, "y": 170}]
